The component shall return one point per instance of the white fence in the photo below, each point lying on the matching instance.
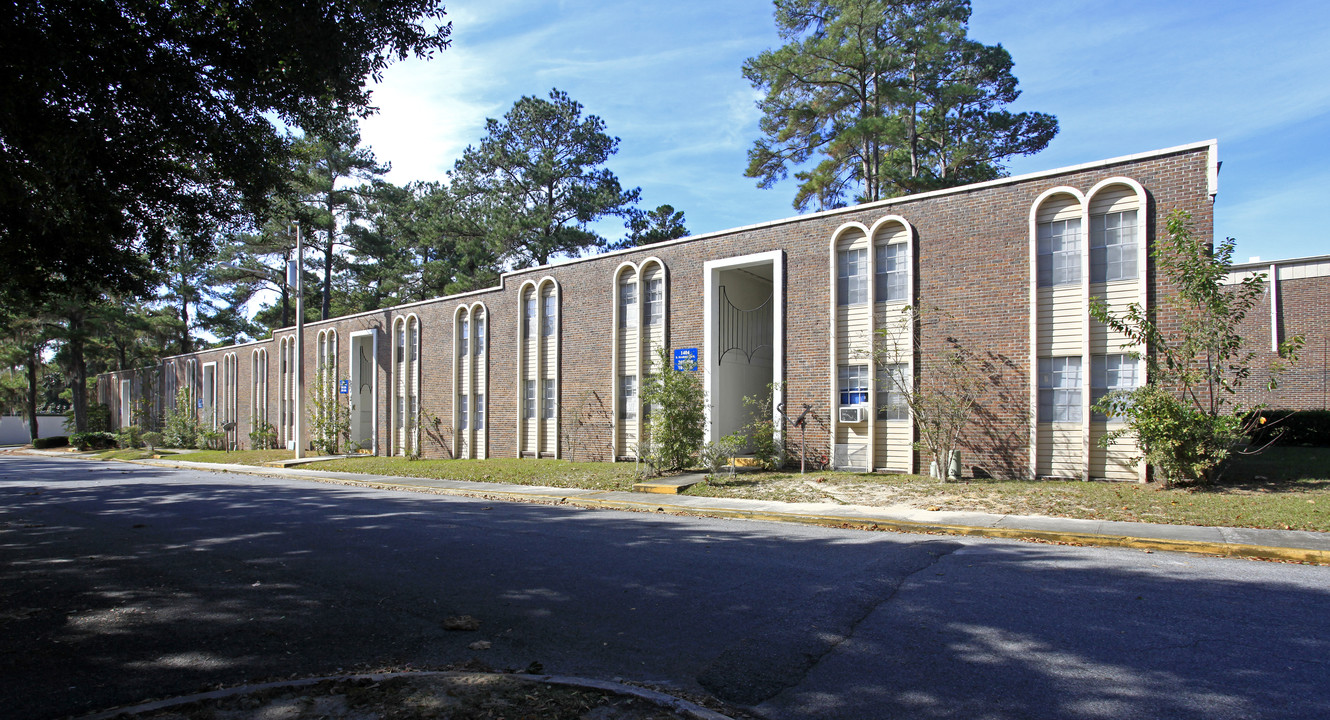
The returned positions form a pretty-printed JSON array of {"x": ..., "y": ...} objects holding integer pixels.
[{"x": 13, "y": 431}]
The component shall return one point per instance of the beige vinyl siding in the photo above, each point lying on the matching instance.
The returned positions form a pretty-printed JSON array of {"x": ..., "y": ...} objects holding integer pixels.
[
  {"x": 549, "y": 348},
  {"x": 530, "y": 369},
  {"x": 1114, "y": 198},
  {"x": 893, "y": 447},
  {"x": 1118, "y": 296},
  {"x": 891, "y": 335},
  {"x": 654, "y": 335},
  {"x": 1061, "y": 318},
  {"x": 628, "y": 357},
  {"x": 1059, "y": 207},
  {"x": 894, "y": 440},
  {"x": 854, "y": 337},
  {"x": 854, "y": 334},
  {"x": 1115, "y": 462},
  {"x": 1060, "y": 450}
]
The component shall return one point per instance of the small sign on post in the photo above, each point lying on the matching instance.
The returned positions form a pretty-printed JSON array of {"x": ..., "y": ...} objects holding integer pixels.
[
  {"x": 343, "y": 387},
  {"x": 200, "y": 403},
  {"x": 685, "y": 359}
]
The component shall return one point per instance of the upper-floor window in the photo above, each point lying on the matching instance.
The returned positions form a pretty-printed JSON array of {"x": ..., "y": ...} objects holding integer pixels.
[
  {"x": 463, "y": 335},
  {"x": 1060, "y": 252},
  {"x": 529, "y": 317},
  {"x": 547, "y": 318},
  {"x": 1060, "y": 389},
  {"x": 853, "y": 384},
  {"x": 892, "y": 385},
  {"x": 852, "y": 276},
  {"x": 655, "y": 307},
  {"x": 628, "y": 303},
  {"x": 480, "y": 336},
  {"x": 1113, "y": 246},
  {"x": 892, "y": 276}
]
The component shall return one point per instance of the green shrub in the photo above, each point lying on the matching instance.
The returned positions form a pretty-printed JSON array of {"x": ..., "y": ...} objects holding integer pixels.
[
  {"x": 100, "y": 440},
  {"x": 1290, "y": 427},
  {"x": 262, "y": 437},
  {"x": 675, "y": 417},
  {"x": 129, "y": 438},
  {"x": 153, "y": 440},
  {"x": 212, "y": 439},
  {"x": 182, "y": 425},
  {"x": 50, "y": 442}
]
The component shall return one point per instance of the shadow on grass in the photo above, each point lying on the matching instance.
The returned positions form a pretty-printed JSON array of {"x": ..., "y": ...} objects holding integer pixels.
[{"x": 1277, "y": 469}]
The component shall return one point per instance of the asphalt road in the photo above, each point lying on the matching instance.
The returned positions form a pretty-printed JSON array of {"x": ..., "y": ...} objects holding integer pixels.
[{"x": 120, "y": 583}]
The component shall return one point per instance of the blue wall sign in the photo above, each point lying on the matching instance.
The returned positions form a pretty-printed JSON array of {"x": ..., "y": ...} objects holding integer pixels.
[
  {"x": 344, "y": 387},
  {"x": 685, "y": 359},
  {"x": 200, "y": 403}
]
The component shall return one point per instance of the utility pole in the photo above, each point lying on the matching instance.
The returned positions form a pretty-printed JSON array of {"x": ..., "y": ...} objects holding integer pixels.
[{"x": 297, "y": 269}]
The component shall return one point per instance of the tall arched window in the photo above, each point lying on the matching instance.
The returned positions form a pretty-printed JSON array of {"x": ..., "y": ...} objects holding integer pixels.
[
  {"x": 872, "y": 342},
  {"x": 229, "y": 403},
  {"x": 639, "y": 331},
  {"x": 406, "y": 385},
  {"x": 471, "y": 381},
  {"x": 286, "y": 372},
  {"x": 258, "y": 408},
  {"x": 538, "y": 369},
  {"x": 1118, "y": 266},
  {"x": 1060, "y": 299}
]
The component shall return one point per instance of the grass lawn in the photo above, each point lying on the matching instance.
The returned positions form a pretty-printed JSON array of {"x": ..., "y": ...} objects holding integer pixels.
[
  {"x": 1282, "y": 488},
  {"x": 526, "y": 471},
  {"x": 1285, "y": 488}
]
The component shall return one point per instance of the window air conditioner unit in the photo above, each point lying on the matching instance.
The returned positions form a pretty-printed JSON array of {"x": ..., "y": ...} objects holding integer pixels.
[{"x": 852, "y": 415}]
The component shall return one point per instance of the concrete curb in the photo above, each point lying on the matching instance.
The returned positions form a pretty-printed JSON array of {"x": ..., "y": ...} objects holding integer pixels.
[
  {"x": 1312, "y": 547},
  {"x": 656, "y": 698}
]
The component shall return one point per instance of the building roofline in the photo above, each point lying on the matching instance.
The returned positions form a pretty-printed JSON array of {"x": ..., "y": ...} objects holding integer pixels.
[
  {"x": 1264, "y": 264},
  {"x": 1212, "y": 145}
]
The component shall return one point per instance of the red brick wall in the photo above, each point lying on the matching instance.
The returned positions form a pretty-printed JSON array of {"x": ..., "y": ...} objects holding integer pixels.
[
  {"x": 1304, "y": 309},
  {"x": 972, "y": 262}
]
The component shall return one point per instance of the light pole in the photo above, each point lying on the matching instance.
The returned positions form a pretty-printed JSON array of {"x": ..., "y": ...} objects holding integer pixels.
[{"x": 295, "y": 276}]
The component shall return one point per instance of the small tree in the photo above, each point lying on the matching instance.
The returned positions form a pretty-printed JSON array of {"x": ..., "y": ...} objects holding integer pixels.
[
  {"x": 951, "y": 382},
  {"x": 181, "y": 429},
  {"x": 675, "y": 417},
  {"x": 1188, "y": 417},
  {"x": 331, "y": 424}
]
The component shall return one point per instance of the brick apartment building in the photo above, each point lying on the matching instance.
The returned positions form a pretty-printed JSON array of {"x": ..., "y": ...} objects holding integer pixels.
[{"x": 803, "y": 311}]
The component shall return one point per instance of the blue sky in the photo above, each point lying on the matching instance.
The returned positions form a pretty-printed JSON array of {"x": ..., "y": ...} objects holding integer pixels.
[{"x": 1122, "y": 78}]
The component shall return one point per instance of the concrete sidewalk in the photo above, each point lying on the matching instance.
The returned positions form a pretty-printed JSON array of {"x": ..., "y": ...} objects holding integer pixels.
[{"x": 1288, "y": 545}]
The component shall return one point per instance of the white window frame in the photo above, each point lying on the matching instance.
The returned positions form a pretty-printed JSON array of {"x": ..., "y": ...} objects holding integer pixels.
[
  {"x": 852, "y": 385},
  {"x": 852, "y": 266},
  {"x": 1060, "y": 388},
  {"x": 1059, "y": 246}
]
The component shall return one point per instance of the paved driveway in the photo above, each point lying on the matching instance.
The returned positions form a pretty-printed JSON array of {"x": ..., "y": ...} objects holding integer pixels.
[{"x": 120, "y": 582}]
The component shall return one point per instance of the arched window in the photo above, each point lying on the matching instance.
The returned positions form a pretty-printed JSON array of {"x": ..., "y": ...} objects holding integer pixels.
[
  {"x": 538, "y": 369},
  {"x": 406, "y": 385},
  {"x": 872, "y": 345},
  {"x": 258, "y": 418},
  {"x": 639, "y": 332},
  {"x": 1060, "y": 299},
  {"x": 471, "y": 379}
]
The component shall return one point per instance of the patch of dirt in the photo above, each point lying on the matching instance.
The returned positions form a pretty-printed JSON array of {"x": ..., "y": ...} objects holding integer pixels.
[{"x": 421, "y": 697}]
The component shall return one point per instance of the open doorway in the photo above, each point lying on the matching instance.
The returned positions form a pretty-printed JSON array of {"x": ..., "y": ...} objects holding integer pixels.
[
  {"x": 745, "y": 341},
  {"x": 365, "y": 390}
]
